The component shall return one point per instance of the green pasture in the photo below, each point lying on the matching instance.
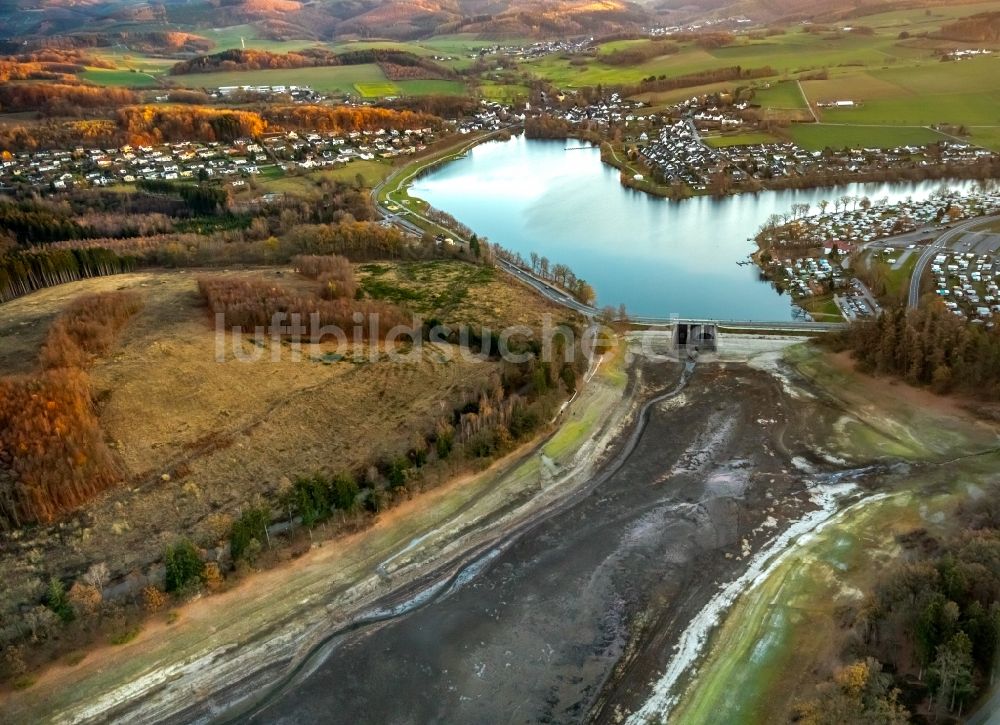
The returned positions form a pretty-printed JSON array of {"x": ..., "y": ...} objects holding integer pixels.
[
  {"x": 336, "y": 79},
  {"x": 818, "y": 136},
  {"x": 427, "y": 87},
  {"x": 377, "y": 89},
  {"x": 504, "y": 91},
  {"x": 234, "y": 36},
  {"x": 120, "y": 77},
  {"x": 740, "y": 139},
  {"x": 784, "y": 95}
]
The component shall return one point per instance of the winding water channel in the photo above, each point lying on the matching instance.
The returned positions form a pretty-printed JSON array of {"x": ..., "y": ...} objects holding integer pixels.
[
  {"x": 572, "y": 617},
  {"x": 595, "y": 609},
  {"x": 658, "y": 257}
]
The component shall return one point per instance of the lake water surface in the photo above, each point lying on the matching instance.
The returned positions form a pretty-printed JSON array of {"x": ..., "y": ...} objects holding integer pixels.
[{"x": 659, "y": 257}]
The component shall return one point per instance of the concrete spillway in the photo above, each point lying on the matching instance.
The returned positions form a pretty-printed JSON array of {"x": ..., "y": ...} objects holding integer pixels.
[{"x": 695, "y": 337}]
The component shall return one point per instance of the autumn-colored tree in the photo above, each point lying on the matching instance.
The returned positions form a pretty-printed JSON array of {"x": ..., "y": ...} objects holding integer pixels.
[
  {"x": 250, "y": 304},
  {"x": 88, "y": 327},
  {"x": 52, "y": 451},
  {"x": 153, "y": 598},
  {"x": 85, "y": 599}
]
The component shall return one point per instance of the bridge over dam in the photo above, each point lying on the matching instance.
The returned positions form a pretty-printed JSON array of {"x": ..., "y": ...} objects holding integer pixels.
[
  {"x": 710, "y": 340},
  {"x": 687, "y": 324},
  {"x": 559, "y": 296}
]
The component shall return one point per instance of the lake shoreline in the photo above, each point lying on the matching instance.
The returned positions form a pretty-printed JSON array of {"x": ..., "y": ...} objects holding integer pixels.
[{"x": 681, "y": 259}]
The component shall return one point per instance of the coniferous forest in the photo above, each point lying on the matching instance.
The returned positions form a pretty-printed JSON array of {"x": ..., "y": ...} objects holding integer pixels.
[{"x": 930, "y": 347}]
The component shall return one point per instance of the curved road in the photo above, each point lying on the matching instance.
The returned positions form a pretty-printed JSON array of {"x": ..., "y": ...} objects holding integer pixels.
[{"x": 936, "y": 246}]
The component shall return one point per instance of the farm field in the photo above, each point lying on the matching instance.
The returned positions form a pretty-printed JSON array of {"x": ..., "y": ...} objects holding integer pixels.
[
  {"x": 121, "y": 77},
  {"x": 897, "y": 81},
  {"x": 338, "y": 79},
  {"x": 150, "y": 70},
  {"x": 424, "y": 87},
  {"x": 235, "y": 36},
  {"x": 503, "y": 91},
  {"x": 960, "y": 93},
  {"x": 792, "y": 52},
  {"x": 919, "y": 20},
  {"x": 784, "y": 95},
  {"x": 461, "y": 45},
  {"x": 818, "y": 136},
  {"x": 377, "y": 89},
  {"x": 131, "y": 70},
  {"x": 988, "y": 136},
  {"x": 740, "y": 139},
  {"x": 421, "y": 87}
]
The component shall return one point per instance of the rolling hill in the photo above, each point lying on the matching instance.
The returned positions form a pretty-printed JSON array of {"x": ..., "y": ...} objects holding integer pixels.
[
  {"x": 322, "y": 19},
  {"x": 34, "y": 20}
]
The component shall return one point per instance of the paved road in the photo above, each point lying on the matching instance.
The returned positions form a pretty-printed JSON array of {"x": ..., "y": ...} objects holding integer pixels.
[
  {"x": 988, "y": 713},
  {"x": 934, "y": 248},
  {"x": 805, "y": 98},
  {"x": 763, "y": 326}
]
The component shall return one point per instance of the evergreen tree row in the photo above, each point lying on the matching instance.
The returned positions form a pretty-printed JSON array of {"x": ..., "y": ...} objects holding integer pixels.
[
  {"x": 25, "y": 271},
  {"x": 929, "y": 346}
]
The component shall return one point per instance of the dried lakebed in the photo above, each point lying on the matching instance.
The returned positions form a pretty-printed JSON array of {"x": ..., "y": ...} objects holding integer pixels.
[{"x": 596, "y": 608}]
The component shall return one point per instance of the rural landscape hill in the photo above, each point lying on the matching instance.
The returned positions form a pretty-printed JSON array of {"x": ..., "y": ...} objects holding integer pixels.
[
  {"x": 128, "y": 20},
  {"x": 778, "y": 10},
  {"x": 284, "y": 19}
]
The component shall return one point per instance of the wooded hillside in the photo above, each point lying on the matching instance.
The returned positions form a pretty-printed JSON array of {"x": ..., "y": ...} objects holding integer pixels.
[
  {"x": 929, "y": 346},
  {"x": 53, "y": 457},
  {"x": 238, "y": 59}
]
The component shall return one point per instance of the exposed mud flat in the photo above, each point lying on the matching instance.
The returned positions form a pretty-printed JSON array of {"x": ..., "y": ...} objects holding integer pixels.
[{"x": 574, "y": 618}]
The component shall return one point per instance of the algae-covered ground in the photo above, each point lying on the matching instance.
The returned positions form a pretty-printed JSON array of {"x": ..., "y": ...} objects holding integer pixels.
[{"x": 782, "y": 636}]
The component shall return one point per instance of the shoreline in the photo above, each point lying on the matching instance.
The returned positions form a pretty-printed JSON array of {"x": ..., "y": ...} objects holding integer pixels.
[
  {"x": 145, "y": 682},
  {"x": 879, "y": 176}
]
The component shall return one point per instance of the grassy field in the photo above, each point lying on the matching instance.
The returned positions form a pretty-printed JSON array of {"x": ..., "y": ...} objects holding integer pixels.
[
  {"x": 927, "y": 92},
  {"x": 740, "y": 139},
  {"x": 121, "y": 77},
  {"x": 822, "y": 309},
  {"x": 366, "y": 80},
  {"x": 896, "y": 81},
  {"x": 377, "y": 90},
  {"x": 504, "y": 91},
  {"x": 792, "y": 52},
  {"x": 237, "y": 36},
  {"x": 920, "y": 20},
  {"x": 131, "y": 70},
  {"x": 309, "y": 184},
  {"x": 336, "y": 80},
  {"x": 818, "y": 136},
  {"x": 988, "y": 136},
  {"x": 426, "y": 87},
  {"x": 785, "y": 95}
]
